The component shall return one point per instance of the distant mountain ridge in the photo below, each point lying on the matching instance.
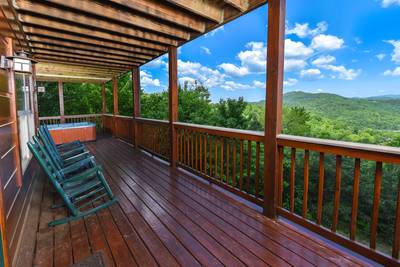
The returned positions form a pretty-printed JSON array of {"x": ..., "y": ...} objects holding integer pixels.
[{"x": 381, "y": 112}]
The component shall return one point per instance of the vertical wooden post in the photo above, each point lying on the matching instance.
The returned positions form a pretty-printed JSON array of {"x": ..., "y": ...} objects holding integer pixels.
[
  {"x": 61, "y": 100},
  {"x": 115, "y": 101},
  {"x": 103, "y": 97},
  {"x": 35, "y": 100},
  {"x": 136, "y": 103},
  {"x": 173, "y": 102},
  {"x": 13, "y": 114},
  {"x": 273, "y": 116}
]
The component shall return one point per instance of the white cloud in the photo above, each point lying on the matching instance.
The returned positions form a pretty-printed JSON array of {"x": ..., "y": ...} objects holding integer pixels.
[
  {"x": 387, "y": 3},
  {"x": 327, "y": 42},
  {"x": 311, "y": 74},
  {"x": 207, "y": 76},
  {"x": 396, "y": 51},
  {"x": 146, "y": 80},
  {"x": 323, "y": 60},
  {"x": 234, "y": 70},
  {"x": 290, "y": 82},
  {"x": 395, "y": 72},
  {"x": 189, "y": 80},
  {"x": 259, "y": 85},
  {"x": 213, "y": 32},
  {"x": 158, "y": 62},
  {"x": 296, "y": 49},
  {"x": 303, "y": 30},
  {"x": 294, "y": 64},
  {"x": 343, "y": 73},
  {"x": 206, "y": 50},
  {"x": 233, "y": 86},
  {"x": 380, "y": 57},
  {"x": 255, "y": 58}
]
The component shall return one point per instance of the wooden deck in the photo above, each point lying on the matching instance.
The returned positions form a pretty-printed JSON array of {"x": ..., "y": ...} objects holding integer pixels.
[{"x": 166, "y": 218}]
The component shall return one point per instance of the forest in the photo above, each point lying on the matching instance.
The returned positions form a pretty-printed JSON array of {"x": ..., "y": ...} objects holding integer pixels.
[{"x": 328, "y": 116}]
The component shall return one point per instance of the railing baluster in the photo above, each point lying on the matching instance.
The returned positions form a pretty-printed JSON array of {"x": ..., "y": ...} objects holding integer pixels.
[
  {"x": 241, "y": 165},
  {"x": 375, "y": 209},
  {"x": 201, "y": 152},
  {"x": 292, "y": 178},
  {"x": 396, "y": 237},
  {"x": 234, "y": 164},
  {"x": 320, "y": 187},
  {"x": 210, "y": 153},
  {"x": 305, "y": 185},
  {"x": 257, "y": 176},
  {"x": 228, "y": 152},
  {"x": 337, "y": 193},
  {"x": 205, "y": 153},
  {"x": 248, "y": 166},
  {"x": 215, "y": 156},
  {"x": 184, "y": 146},
  {"x": 354, "y": 209},
  {"x": 221, "y": 166},
  {"x": 196, "y": 151},
  {"x": 192, "y": 149},
  {"x": 280, "y": 175}
]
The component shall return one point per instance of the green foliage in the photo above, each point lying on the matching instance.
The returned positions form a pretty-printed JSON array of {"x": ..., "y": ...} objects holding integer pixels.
[{"x": 48, "y": 103}]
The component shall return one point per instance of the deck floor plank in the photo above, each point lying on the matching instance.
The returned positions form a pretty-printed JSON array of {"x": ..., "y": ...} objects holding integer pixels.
[{"x": 166, "y": 217}]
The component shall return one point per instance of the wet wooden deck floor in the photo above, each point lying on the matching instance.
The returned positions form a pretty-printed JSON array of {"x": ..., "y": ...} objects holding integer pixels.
[{"x": 166, "y": 218}]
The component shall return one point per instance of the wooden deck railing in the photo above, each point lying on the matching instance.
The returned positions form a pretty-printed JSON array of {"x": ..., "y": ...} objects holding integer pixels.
[
  {"x": 228, "y": 157},
  {"x": 95, "y": 118},
  {"x": 312, "y": 173}
]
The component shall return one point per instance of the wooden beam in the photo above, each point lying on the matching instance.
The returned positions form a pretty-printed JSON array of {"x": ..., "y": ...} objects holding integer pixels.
[
  {"x": 33, "y": 40},
  {"x": 74, "y": 79},
  {"x": 173, "y": 102},
  {"x": 209, "y": 9},
  {"x": 87, "y": 56},
  {"x": 61, "y": 100},
  {"x": 114, "y": 14},
  {"x": 274, "y": 93},
  {"x": 136, "y": 103},
  {"x": 108, "y": 44},
  {"x": 103, "y": 97},
  {"x": 241, "y": 5},
  {"x": 74, "y": 29},
  {"x": 82, "y": 60},
  {"x": 73, "y": 65},
  {"x": 86, "y": 21},
  {"x": 164, "y": 12},
  {"x": 78, "y": 52}
]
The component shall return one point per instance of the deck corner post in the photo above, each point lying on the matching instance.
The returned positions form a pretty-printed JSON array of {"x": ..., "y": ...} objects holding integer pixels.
[
  {"x": 115, "y": 104},
  {"x": 273, "y": 109},
  {"x": 136, "y": 103},
  {"x": 61, "y": 101},
  {"x": 173, "y": 102}
]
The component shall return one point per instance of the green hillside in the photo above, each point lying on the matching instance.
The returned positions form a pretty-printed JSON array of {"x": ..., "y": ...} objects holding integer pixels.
[{"x": 375, "y": 113}]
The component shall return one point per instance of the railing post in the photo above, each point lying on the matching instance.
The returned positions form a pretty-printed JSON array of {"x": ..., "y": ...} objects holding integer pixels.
[
  {"x": 103, "y": 103},
  {"x": 35, "y": 99},
  {"x": 273, "y": 118},
  {"x": 173, "y": 102},
  {"x": 136, "y": 103},
  {"x": 115, "y": 101},
  {"x": 61, "y": 101}
]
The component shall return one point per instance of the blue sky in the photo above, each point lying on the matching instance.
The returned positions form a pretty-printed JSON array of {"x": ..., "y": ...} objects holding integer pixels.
[{"x": 350, "y": 48}]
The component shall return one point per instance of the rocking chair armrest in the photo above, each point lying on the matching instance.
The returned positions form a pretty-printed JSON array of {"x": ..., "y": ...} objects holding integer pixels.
[
  {"x": 73, "y": 152},
  {"x": 84, "y": 175}
]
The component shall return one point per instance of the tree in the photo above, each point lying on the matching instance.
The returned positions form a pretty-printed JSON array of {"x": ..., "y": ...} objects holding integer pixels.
[
  {"x": 296, "y": 121},
  {"x": 230, "y": 113}
]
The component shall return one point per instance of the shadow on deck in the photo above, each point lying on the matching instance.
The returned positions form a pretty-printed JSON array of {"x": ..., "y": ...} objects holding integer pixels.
[{"x": 165, "y": 218}]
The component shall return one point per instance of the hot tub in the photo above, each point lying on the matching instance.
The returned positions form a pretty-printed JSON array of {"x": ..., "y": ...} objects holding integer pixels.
[{"x": 68, "y": 132}]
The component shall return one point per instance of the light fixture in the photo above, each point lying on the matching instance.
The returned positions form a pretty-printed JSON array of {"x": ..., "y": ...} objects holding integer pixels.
[{"x": 22, "y": 63}]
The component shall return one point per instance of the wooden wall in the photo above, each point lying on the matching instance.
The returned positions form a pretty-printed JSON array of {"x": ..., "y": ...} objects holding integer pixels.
[{"x": 13, "y": 187}]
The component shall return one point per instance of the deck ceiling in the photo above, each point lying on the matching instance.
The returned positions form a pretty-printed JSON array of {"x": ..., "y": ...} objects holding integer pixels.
[{"x": 96, "y": 40}]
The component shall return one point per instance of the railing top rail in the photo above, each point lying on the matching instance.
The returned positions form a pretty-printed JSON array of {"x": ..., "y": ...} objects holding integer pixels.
[
  {"x": 226, "y": 132},
  {"x": 151, "y": 121},
  {"x": 70, "y": 116},
  {"x": 356, "y": 150},
  {"x": 49, "y": 118},
  {"x": 124, "y": 117}
]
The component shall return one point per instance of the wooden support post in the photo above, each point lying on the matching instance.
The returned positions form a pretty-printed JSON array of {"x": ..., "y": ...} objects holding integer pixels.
[
  {"x": 136, "y": 103},
  {"x": 13, "y": 115},
  {"x": 35, "y": 99},
  {"x": 103, "y": 97},
  {"x": 61, "y": 100},
  {"x": 173, "y": 102},
  {"x": 273, "y": 118},
  {"x": 115, "y": 101}
]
